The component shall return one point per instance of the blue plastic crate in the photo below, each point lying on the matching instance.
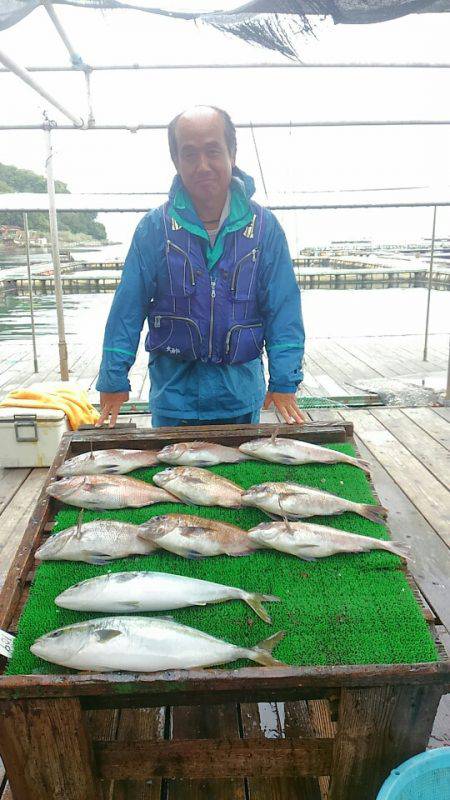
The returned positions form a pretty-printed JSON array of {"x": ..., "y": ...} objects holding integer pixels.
[{"x": 423, "y": 777}]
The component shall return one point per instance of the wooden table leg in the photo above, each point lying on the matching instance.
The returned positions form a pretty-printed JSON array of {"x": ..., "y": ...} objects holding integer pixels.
[
  {"x": 378, "y": 728},
  {"x": 47, "y": 751}
]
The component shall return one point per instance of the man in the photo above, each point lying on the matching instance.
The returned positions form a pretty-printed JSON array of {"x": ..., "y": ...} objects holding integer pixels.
[{"x": 212, "y": 273}]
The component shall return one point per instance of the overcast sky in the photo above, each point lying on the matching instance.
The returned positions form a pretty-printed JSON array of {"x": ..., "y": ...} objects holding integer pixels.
[{"x": 292, "y": 159}]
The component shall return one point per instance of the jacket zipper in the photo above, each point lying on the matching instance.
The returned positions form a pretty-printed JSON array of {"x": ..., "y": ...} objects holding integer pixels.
[
  {"x": 211, "y": 317},
  {"x": 234, "y": 279},
  {"x": 179, "y": 250},
  {"x": 227, "y": 340},
  {"x": 157, "y": 321}
]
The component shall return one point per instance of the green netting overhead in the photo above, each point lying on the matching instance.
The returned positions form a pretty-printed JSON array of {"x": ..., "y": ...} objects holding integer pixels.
[{"x": 352, "y": 609}]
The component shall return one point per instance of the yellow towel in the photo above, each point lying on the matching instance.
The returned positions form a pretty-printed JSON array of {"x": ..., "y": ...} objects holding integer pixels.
[{"x": 75, "y": 404}]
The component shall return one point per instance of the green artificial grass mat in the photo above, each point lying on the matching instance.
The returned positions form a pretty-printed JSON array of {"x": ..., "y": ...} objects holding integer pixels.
[{"x": 349, "y": 609}]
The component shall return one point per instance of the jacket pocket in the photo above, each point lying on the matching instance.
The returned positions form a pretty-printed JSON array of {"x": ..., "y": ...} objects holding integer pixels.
[
  {"x": 174, "y": 336},
  {"x": 244, "y": 342},
  {"x": 181, "y": 271},
  {"x": 243, "y": 276}
]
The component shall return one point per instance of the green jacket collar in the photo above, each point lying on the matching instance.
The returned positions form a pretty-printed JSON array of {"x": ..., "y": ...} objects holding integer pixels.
[{"x": 182, "y": 210}]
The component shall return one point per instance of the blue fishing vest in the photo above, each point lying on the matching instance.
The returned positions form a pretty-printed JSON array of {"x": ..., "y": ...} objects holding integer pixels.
[{"x": 208, "y": 315}]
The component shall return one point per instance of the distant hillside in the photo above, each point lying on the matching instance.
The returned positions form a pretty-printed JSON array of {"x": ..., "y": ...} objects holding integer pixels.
[{"x": 13, "y": 179}]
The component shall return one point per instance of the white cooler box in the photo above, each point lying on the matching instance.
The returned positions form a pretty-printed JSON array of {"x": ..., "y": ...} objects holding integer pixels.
[{"x": 30, "y": 437}]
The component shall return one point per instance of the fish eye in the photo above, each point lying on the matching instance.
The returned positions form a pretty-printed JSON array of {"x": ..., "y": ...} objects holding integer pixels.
[{"x": 55, "y": 634}]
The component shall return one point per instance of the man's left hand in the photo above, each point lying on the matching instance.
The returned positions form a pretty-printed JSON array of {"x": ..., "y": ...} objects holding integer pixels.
[{"x": 286, "y": 405}]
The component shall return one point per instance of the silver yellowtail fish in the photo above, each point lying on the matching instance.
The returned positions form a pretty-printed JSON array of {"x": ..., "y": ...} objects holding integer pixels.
[
  {"x": 309, "y": 541},
  {"x": 292, "y": 451},
  {"x": 200, "y": 454},
  {"x": 294, "y": 501},
  {"x": 190, "y": 536},
  {"x": 107, "y": 492},
  {"x": 125, "y": 592},
  {"x": 95, "y": 542},
  {"x": 199, "y": 487},
  {"x": 143, "y": 644},
  {"x": 107, "y": 462}
]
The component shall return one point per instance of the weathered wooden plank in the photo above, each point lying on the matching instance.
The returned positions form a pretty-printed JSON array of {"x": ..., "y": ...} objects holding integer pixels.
[
  {"x": 206, "y": 759},
  {"x": 443, "y": 412},
  {"x": 15, "y": 516},
  {"x": 46, "y": 750},
  {"x": 10, "y": 481},
  {"x": 145, "y": 724},
  {"x": 295, "y": 723},
  {"x": 102, "y": 725},
  {"x": 218, "y": 686},
  {"x": 428, "y": 495},
  {"x": 430, "y": 453},
  {"x": 432, "y": 423},
  {"x": 206, "y": 723},
  {"x": 23, "y": 560},
  {"x": 378, "y": 729}
]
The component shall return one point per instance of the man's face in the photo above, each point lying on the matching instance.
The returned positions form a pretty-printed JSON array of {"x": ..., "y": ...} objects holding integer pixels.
[{"x": 203, "y": 163}]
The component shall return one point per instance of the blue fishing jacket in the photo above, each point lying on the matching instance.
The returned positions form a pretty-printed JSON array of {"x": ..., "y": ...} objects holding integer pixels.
[{"x": 200, "y": 389}]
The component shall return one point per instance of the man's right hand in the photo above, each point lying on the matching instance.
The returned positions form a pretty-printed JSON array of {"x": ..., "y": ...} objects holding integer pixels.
[{"x": 110, "y": 404}]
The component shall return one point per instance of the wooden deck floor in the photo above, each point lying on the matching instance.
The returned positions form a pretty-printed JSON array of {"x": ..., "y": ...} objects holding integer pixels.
[
  {"x": 408, "y": 449},
  {"x": 333, "y": 366}
]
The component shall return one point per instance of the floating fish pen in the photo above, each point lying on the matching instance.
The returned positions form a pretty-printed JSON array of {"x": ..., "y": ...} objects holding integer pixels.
[
  {"x": 372, "y": 278},
  {"x": 366, "y": 668},
  {"x": 366, "y": 278}
]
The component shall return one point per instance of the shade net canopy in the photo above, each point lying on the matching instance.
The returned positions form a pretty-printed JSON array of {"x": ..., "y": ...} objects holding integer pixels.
[{"x": 266, "y": 23}]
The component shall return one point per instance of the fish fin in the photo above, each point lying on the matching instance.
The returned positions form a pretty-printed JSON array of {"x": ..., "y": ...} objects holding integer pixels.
[
  {"x": 92, "y": 457},
  {"x": 374, "y": 513},
  {"x": 106, "y": 634},
  {"x": 398, "y": 549},
  {"x": 189, "y": 530},
  {"x": 307, "y": 558},
  {"x": 359, "y": 462},
  {"x": 130, "y": 605},
  {"x": 194, "y": 554},
  {"x": 111, "y": 469},
  {"x": 98, "y": 558},
  {"x": 274, "y": 435},
  {"x": 79, "y": 523},
  {"x": 237, "y": 549},
  {"x": 287, "y": 523},
  {"x": 255, "y": 602},
  {"x": 262, "y": 652},
  {"x": 192, "y": 479}
]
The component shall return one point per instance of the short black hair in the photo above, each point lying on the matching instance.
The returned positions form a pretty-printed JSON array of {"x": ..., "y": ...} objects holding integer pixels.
[{"x": 229, "y": 130}]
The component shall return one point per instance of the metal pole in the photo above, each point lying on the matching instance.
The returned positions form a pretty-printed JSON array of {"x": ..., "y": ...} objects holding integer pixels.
[
  {"x": 430, "y": 278},
  {"x": 62, "y": 346},
  {"x": 24, "y": 76},
  {"x": 162, "y": 126},
  {"x": 254, "y": 65},
  {"x": 447, "y": 393},
  {"x": 30, "y": 291},
  {"x": 74, "y": 57}
]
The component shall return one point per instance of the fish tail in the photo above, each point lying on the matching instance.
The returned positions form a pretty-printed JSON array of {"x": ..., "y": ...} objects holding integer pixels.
[
  {"x": 255, "y": 602},
  {"x": 374, "y": 513},
  {"x": 398, "y": 549},
  {"x": 364, "y": 465},
  {"x": 262, "y": 652},
  {"x": 145, "y": 532}
]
